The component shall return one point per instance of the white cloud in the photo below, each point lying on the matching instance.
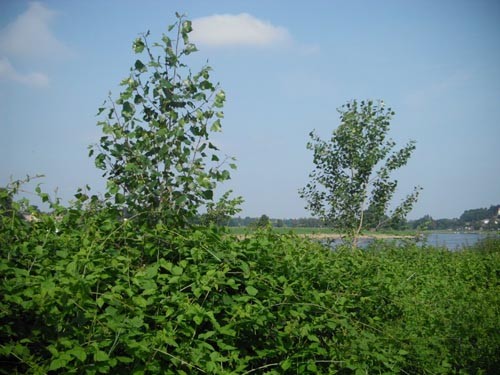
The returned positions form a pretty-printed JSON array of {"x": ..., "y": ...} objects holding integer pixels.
[
  {"x": 29, "y": 36},
  {"x": 8, "y": 73},
  {"x": 237, "y": 30},
  {"x": 28, "y": 40}
]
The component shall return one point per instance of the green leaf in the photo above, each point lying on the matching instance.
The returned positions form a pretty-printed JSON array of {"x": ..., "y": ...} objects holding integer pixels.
[
  {"x": 112, "y": 187},
  {"x": 286, "y": 364},
  {"x": 208, "y": 194},
  {"x": 124, "y": 359},
  {"x": 219, "y": 99},
  {"x": 100, "y": 302},
  {"x": 140, "y": 301},
  {"x": 128, "y": 110},
  {"x": 228, "y": 331},
  {"x": 187, "y": 26},
  {"x": 180, "y": 200},
  {"x": 100, "y": 356},
  {"x": 79, "y": 353},
  {"x": 139, "y": 66},
  {"x": 138, "y": 99},
  {"x": 138, "y": 45},
  {"x": 57, "y": 364},
  {"x": 251, "y": 290},
  {"x": 190, "y": 48},
  {"x": 216, "y": 126},
  {"x": 119, "y": 198},
  {"x": 177, "y": 271}
]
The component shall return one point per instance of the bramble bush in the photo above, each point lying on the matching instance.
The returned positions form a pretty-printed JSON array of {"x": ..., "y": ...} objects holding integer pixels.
[{"x": 88, "y": 293}]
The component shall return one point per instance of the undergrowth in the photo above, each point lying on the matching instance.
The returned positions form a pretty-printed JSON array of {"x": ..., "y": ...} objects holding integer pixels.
[{"x": 83, "y": 292}]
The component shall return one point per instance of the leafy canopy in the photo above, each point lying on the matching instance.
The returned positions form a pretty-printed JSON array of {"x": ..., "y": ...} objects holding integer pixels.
[
  {"x": 352, "y": 169},
  {"x": 155, "y": 150}
]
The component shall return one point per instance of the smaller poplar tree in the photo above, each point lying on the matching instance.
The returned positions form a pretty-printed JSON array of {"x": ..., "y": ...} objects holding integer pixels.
[
  {"x": 353, "y": 170},
  {"x": 156, "y": 151}
]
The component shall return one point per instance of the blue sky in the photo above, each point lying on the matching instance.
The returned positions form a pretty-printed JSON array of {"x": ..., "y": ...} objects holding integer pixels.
[{"x": 285, "y": 66}]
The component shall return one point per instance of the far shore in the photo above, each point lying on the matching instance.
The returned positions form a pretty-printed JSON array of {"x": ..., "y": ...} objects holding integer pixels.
[{"x": 337, "y": 236}]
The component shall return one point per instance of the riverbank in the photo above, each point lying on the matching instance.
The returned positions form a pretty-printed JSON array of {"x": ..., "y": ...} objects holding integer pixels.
[
  {"x": 336, "y": 236},
  {"x": 322, "y": 233}
]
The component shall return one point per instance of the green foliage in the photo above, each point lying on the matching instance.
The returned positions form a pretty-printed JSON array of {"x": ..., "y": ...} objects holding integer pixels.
[
  {"x": 6, "y": 201},
  {"x": 263, "y": 221},
  {"x": 352, "y": 170},
  {"x": 475, "y": 219},
  {"x": 220, "y": 212},
  {"x": 479, "y": 214},
  {"x": 85, "y": 292},
  {"x": 155, "y": 150}
]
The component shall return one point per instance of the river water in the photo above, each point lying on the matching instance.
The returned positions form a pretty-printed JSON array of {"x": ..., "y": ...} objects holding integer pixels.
[{"x": 451, "y": 241}]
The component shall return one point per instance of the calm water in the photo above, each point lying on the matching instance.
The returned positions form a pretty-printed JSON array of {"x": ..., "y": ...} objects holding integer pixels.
[{"x": 452, "y": 241}]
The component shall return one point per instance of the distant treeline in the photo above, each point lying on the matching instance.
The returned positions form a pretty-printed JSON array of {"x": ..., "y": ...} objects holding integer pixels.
[
  {"x": 473, "y": 219},
  {"x": 303, "y": 222}
]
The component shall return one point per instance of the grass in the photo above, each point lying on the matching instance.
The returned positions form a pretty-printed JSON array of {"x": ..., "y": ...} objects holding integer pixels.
[
  {"x": 304, "y": 231},
  {"x": 283, "y": 230}
]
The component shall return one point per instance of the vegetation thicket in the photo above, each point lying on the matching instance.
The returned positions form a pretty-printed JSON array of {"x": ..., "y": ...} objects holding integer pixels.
[
  {"x": 92, "y": 294},
  {"x": 129, "y": 285}
]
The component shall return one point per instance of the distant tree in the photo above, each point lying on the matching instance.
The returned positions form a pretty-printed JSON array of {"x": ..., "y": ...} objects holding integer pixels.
[
  {"x": 247, "y": 221},
  {"x": 372, "y": 219},
  {"x": 426, "y": 222},
  {"x": 220, "y": 212},
  {"x": 279, "y": 223},
  {"x": 494, "y": 211},
  {"x": 352, "y": 170},
  {"x": 155, "y": 150},
  {"x": 476, "y": 214},
  {"x": 263, "y": 221},
  {"x": 447, "y": 224}
]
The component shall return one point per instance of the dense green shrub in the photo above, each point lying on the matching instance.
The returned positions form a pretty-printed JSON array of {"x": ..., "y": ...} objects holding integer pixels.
[
  {"x": 85, "y": 292},
  {"x": 448, "y": 303}
]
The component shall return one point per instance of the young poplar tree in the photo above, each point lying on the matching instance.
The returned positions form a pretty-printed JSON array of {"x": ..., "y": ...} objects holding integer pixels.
[
  {"x": 155, "y": 150},
  {"x": 352, "y": 170}
]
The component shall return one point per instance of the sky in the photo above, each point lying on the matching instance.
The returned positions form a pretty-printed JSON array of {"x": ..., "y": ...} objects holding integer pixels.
[{"x": 286, "y": 66}]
